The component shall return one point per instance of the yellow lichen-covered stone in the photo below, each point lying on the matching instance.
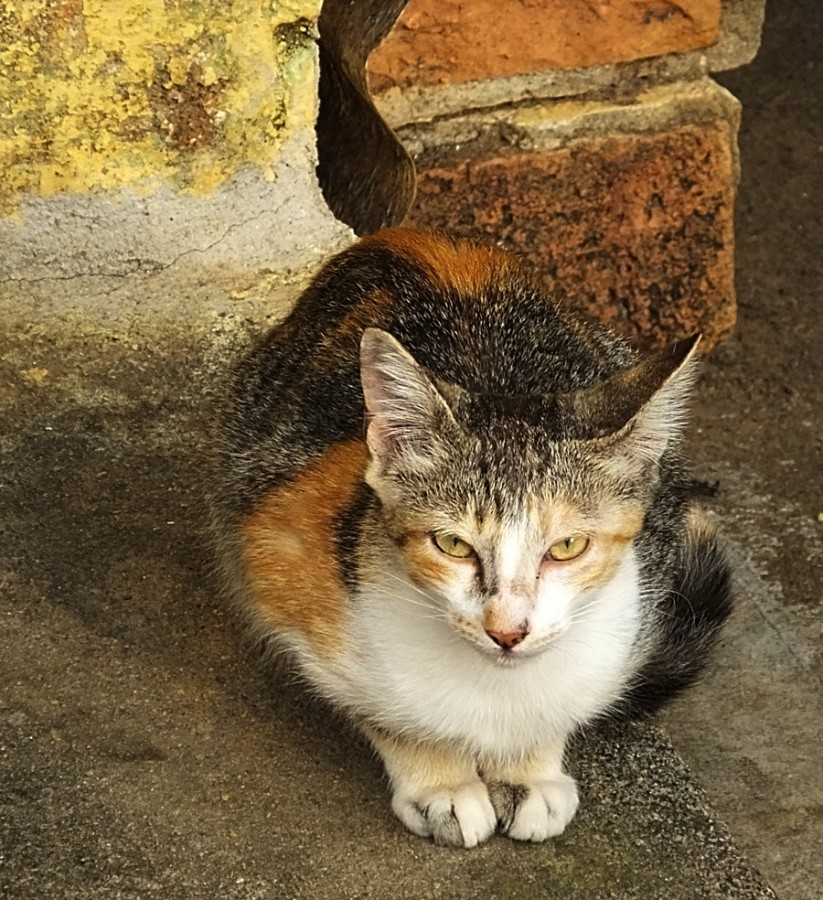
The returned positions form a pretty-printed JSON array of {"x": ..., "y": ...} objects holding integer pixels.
[{"x": 100, "y": 95}]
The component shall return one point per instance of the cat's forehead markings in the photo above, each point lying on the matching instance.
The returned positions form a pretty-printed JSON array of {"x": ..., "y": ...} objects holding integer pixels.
[
  {"x": 625, "y": 524},
  {"x": 554, "y": 513},
  {"x": 513, "y": 538},
  {"x": 467, "y": 268}
]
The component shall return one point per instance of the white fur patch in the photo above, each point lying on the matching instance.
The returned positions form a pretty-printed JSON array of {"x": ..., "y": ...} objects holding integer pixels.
[
  {"x": 512, "y": 544},
  {"x": 408, "y": 670},
  {"x": 461, "y": 816},
  {"x": 546, "y": 811}
]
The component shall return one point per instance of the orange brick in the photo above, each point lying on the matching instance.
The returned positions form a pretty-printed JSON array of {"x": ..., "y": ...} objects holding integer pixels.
[
  {"x": 437, "y": 42},
  {"x": 637, "y": 229}
]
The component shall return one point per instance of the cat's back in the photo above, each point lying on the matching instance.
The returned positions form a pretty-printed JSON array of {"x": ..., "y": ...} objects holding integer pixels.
[{"x": 468, "y": 313}]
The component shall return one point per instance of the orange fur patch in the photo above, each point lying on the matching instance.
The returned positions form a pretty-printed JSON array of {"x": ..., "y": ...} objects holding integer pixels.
[
  {"x": 611, "y": 550},
  {"x": 466, "y": 267},
  {"x": 614, "y": 528},
  {"x": 366, "y": 313},
  {"x": 423, "y": 765},
  {"x": 289, "y": 548},
  {"x": 424, "y": 566},
  {"x": 557, "y": 518}
]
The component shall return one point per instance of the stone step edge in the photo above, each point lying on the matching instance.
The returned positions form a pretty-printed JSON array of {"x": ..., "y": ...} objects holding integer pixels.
[
  {"x": 740, "y": 29},
  {"x": 549, "y": 125}
]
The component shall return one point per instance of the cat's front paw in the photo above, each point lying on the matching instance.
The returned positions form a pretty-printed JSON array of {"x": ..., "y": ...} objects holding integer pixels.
[
  {"x": 455, "y": 817},
  {"x": 536, "y": 811}
]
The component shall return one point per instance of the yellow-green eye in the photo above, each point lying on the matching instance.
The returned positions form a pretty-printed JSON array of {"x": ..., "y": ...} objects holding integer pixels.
[
  {"x": 569, "y": 548},
  {"x": 452, "y": 545}
]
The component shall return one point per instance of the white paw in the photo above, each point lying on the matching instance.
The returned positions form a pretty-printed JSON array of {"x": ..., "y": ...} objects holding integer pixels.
[
  {"x": 456, "y": 817},
  {"x": 542, "y": 809}
]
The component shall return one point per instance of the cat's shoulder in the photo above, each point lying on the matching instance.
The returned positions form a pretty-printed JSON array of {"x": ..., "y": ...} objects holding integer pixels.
[{"x": 446, "y": 261}]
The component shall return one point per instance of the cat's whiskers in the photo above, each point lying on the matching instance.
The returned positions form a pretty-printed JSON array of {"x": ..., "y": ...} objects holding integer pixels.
[
  {"x": 409, "y": 584},
  {"x": 582, "y": 611},
  {"x": 428, "y": 603},
  {"x": 388, "y": 595},
  {"x": 430, "y": 599}
]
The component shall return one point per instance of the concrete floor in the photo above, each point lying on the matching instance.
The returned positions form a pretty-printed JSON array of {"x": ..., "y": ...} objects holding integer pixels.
[
  {"x": 144, "y": 753},
  {"x": 752, "y": 733}
]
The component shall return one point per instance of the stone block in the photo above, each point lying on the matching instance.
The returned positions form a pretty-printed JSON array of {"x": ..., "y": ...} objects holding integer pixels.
[
  {"x": 444, "y": 58},
  {"x": 438, "y": 42},
  {"x": 628, "y": 210}
]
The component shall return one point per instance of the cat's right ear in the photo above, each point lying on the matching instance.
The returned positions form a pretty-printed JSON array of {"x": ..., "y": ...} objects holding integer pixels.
[
  {"x": 650, "y": 398},
  {"x": 406, "y": 415}
]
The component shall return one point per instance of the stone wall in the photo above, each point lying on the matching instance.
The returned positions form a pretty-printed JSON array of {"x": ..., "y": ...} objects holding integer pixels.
[
  {"x": 140, "y": 135},
  {"x": 176, "y": 137},
  {"x": 586, "y": 135},
  {"x": 440, "y": 42}
]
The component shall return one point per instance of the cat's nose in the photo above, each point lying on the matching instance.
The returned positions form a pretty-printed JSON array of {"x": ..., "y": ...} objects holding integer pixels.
[{"x": 507, "y": 639}]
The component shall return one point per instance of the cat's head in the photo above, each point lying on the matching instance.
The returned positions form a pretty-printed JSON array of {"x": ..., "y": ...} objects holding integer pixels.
[{"x": 514, "y": 513}]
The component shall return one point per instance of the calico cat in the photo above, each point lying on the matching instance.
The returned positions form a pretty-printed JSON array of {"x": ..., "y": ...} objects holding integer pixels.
[{"x": 462, "y": 511}]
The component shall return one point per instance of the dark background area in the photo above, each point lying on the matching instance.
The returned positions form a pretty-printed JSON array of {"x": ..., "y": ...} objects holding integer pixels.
[{"x": 761, "y": 396}]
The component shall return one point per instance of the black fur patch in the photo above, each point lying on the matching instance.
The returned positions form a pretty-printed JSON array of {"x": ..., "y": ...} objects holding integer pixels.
[
  {"x": 348, "y": 528},
  {"x": 506, "y": 799},
  {"x": 445, "y": 827},
  {"x": 689, "y": 622}
]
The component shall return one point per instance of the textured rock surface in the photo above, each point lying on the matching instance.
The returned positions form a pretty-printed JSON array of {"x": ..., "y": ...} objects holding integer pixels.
[
  {"x": 103, "y": 95},
  {"x": 419, "y": 89},
  {"x": 138, "y": 135},
  {"x": 635, "y": 222},
  {"x": 448, "y": 41}
]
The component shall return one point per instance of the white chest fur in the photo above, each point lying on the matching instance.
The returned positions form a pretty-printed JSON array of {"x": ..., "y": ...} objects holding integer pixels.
[{"x": 406, "y": 669}]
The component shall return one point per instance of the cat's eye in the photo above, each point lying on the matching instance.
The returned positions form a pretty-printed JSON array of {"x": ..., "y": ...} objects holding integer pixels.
[
  {"x": 569, "y": 548},
  {"x": 452, "y": 545}
]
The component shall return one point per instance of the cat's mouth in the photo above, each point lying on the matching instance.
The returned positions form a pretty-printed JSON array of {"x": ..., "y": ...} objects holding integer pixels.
[
  {"x": 506, "y": 657},
  {"x": 509, "y": 657},
  {"x": 528, "y": 647}
]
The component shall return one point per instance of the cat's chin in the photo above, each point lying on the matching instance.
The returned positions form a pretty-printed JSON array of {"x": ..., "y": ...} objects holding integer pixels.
[
  {"x": 515, "y": 656},
  {"x": 506, "y": 658}
]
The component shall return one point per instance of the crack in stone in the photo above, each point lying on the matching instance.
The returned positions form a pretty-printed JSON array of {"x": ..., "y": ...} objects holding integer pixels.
[
  {"x": 233, "y": 227},
  {"x": 143, "y": 266}
]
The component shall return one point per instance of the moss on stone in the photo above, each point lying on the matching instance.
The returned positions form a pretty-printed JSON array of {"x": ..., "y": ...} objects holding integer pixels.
[{"x": 100, "y": 96}]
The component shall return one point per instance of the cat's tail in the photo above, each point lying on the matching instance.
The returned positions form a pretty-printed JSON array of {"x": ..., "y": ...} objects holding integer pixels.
[{"x": 687, "y": 625}]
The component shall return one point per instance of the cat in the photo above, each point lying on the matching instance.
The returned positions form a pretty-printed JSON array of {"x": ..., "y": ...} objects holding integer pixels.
[{"x": 462, "y": 511}]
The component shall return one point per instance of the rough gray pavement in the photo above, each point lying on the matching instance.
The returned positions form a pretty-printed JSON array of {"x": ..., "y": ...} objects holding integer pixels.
[
  {"x": 144, "y": 752},
  {"x": 753, "y": 732}
]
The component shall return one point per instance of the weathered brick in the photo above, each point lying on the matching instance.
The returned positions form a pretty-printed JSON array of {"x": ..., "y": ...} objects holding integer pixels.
[
  {"x": 437, "y": 42},
  {"x": 636, "y": 228}
]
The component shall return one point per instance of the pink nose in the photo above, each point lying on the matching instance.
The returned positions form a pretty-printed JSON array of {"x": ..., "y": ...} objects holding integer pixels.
[{"x": 507, "y": 639}]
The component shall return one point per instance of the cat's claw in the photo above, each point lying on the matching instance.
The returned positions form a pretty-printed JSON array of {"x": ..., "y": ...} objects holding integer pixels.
[
  {"x": 537, "y": 811},
  {"x": 459, "y": 817}
]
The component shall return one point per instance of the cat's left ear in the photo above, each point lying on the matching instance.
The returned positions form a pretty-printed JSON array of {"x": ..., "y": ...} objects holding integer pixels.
[
  {"x": 651, "y": 399},
  {"x": 407, "y": 416}
]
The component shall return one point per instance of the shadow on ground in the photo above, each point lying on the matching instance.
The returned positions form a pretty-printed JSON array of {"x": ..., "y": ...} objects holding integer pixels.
[{"x": 149, "y": 754}]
